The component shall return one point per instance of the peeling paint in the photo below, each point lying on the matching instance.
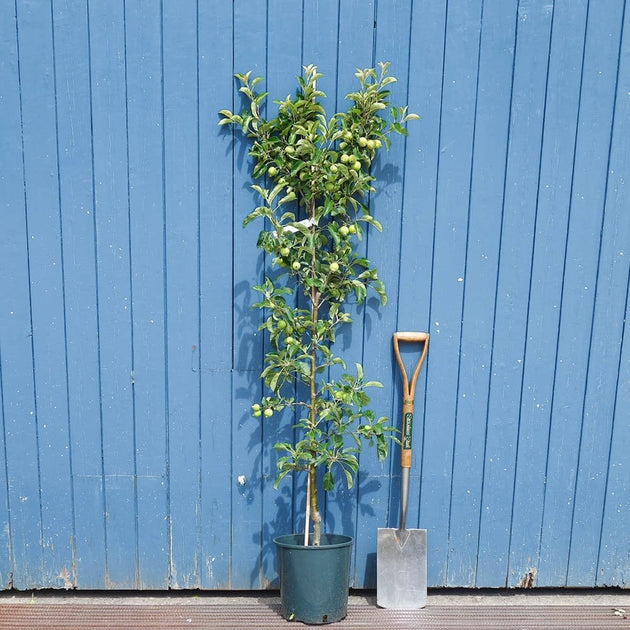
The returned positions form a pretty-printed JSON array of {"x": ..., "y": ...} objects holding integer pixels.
[{"x": 529, "y": 579}]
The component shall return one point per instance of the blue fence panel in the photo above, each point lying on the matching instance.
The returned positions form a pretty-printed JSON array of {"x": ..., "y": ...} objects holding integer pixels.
[{"x": 129, "y": 355}]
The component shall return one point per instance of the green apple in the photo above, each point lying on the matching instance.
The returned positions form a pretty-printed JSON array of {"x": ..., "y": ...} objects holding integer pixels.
[
  {"x": 272, "y": 171},
  {"x": 334, "y": 267}
]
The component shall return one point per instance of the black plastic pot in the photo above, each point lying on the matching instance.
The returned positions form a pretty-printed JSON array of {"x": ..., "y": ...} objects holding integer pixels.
[{"x": 314, "y": 581}]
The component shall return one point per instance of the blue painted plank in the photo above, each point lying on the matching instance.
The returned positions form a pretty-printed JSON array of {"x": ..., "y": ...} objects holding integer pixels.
[
  {"x": 90, "y": 527},
  {"x": 417, "y": 235},
  {"x": 46, "y": 291},
  {"x": 561, "y": 105},
  {"x": 146, "y": 200},
  {"x": 520, "y": 190},
  {"x": 342, "y": 507},
  {"x": 355, "y": 44},
  {"x": 18, "y": 410},
  {"x": 250, "y": 46},
  {"x": 111, "y": 194},
  {"x": 10, "y": 175},
  {"x": 614, "y": 558},
  {"x": 215, "y": 479},
  {"x": 451, "y": 203},
  {"x": 79, "y": 272},
  {"x": 613, "y": 554},
  {"x": 609, "y": 303},
  {"x": 6, "y": 539},
  {"x": 216, "y": 89},
  {"x": 287, "y": 27},
  {"x": 320, "y": 35},
  {"x": 580, "y": 276},
  {"x": 391, "y": 45},
  {"x": 181, "y": 125},
  {"x": 482, "y": 258}
]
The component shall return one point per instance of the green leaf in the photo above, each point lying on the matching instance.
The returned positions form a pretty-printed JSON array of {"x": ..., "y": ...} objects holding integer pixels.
[
  {"x": 373, "y": 384},
  {"x": 328, "y": 481},
  {"x": 349, "y": 478}
]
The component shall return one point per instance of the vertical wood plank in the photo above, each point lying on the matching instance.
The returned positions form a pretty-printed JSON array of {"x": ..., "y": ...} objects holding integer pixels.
[
  {"x": 561, "y": 104},
  {"x": 181, "y": 154},
  {"x": 354, "y": 48},
  {"x": 111, "y": 194},
  {"x": 533, "y": 24},
  {"x": 451, "y": 204},
  {"x": 19, "y": 421},
  {"x": 390, "y": 45},
  {"x": 79, "y": 267},
  {"x": 39, "y": 115},
  {"x": 216, "y": 90},
  {"x": 287, "y": 25},
  {"x": 250, "y": 53},
  {"x": 580, "y": 276},
  {"x": 143, "y": 41},
  {"x": 609, "y": 308},
  {"x": 613, "y": 555},
  {"x": 613, "y": 559},
  {"x": 6, "y": 539},
  {"x": 9, "y": 149},
  {"x": 496, "y": 55},
  {"x": 417, "y": 238}
]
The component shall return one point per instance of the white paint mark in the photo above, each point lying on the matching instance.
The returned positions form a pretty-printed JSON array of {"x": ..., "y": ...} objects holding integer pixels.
[{"x": 241, "y": 480}]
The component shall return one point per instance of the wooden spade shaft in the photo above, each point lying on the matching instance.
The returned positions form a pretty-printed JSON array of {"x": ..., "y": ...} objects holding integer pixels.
[{"x": 409, "y": 390}]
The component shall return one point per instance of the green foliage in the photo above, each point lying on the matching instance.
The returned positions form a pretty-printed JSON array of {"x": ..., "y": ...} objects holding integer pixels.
[{"x": 315, "y": 184}]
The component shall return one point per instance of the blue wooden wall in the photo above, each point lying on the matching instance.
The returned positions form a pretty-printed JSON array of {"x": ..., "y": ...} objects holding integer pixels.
[{"x": 128, "y": 352}]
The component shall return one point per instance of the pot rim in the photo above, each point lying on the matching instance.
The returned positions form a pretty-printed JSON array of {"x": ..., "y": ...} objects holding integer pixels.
[{"x": 340, "y": 540}]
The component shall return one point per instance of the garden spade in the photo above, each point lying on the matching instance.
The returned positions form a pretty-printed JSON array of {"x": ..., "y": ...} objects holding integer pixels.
[{"x": 401, "y": 554}]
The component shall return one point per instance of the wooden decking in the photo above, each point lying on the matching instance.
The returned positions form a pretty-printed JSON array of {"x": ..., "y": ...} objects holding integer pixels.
[{"x": 261, "y": 610}]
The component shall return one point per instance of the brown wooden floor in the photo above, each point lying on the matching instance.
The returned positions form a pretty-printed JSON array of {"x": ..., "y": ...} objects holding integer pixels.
[{"x": 262, "y": 611}]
